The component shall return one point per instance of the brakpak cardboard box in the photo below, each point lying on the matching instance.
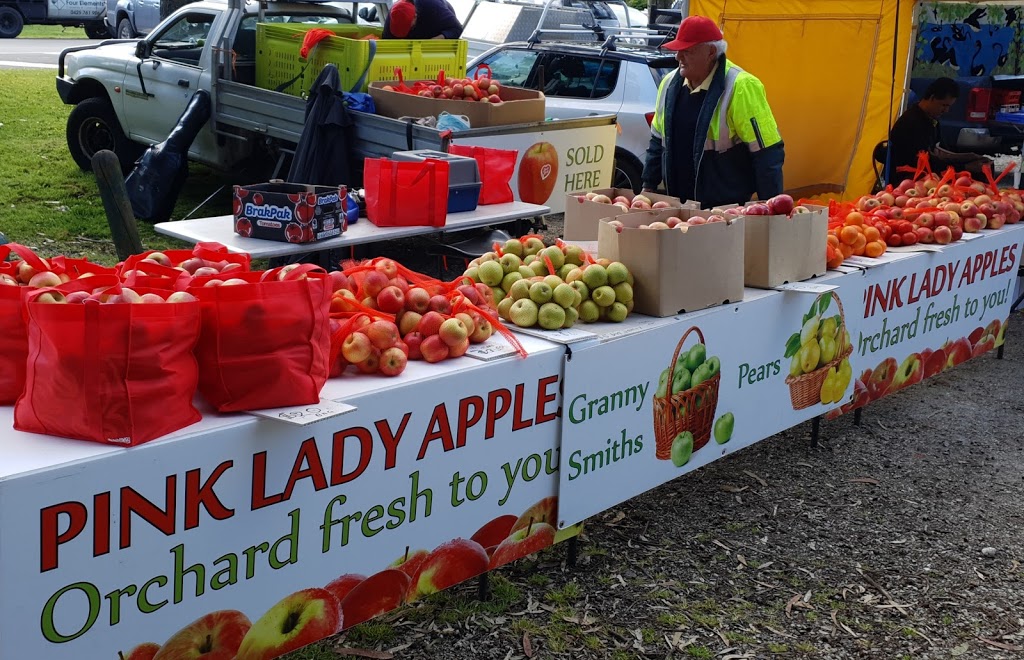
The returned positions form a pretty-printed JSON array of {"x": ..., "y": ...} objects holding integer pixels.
[
  {"x": 518, "y": 106},
  {"x": 582, "y": 215},
  {"x": 673, "y": 271},
  {"x": 290, "y": 212},
  {"x": 780, "y": 249}
]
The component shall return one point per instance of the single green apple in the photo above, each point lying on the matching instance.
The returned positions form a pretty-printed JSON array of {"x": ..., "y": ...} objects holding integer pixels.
[
  {"x": 662, "y": 384},
  {"x": 700, "y": 374},
  {"x": 714, "y": 365},
  {"x": 723, "y": 428},
  {"x": 680, "y": 380},
  {"x": 682, "y": 449},
  {"x": 695, "y": 357}
]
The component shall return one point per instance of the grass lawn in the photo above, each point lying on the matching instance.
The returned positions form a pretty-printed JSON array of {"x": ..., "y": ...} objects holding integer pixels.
[
  {"x": 46, "y": 202},
  {"x": 51, "y": 32}
]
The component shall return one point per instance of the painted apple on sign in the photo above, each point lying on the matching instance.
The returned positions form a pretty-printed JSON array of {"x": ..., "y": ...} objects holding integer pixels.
[{"x": 538, "y": 172}]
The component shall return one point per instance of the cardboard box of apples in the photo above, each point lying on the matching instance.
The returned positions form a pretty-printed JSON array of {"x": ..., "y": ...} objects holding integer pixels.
[
  {"x": 683, "y": 259},
  {"x": 782, "y": 241},
  {"x": 483, "y": 101}
]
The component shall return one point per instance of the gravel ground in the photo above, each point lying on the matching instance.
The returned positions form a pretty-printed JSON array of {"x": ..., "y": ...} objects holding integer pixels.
[{"x": 898, "y": 538}]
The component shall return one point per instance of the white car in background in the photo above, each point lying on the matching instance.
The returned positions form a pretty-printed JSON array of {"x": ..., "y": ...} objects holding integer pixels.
[{"x": 581, "y": 79}]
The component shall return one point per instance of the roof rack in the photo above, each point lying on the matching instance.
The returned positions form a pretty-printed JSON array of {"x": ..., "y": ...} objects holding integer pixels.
[{"x": 608, "y": 37}]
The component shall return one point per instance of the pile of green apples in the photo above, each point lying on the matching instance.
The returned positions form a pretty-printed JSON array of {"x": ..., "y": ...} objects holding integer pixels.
[
  {"x": 692, "y": 368},
  {"x": 528, "y": 294}
]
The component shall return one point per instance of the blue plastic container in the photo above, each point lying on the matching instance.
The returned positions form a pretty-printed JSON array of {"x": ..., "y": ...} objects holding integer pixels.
[{"x": 463, "y": 197}]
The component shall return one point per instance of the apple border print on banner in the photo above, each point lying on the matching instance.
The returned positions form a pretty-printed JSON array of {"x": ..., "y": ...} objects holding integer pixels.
[
  {"x": 274, "y": 536},
  {"x": 931, "y": 312},
  {"x": 557, "y": 162}
]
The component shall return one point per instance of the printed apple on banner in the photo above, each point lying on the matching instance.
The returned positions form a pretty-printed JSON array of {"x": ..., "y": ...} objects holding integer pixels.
[{"x": 538, "y": 173}]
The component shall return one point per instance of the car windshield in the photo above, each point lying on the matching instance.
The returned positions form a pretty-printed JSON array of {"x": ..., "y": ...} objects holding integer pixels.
[{"x": 511, "y": 67}]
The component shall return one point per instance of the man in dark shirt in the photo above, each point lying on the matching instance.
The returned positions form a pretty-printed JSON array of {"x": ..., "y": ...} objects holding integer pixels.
[
  {"x": 917, "y": 130},
  {"x": 422, "y": 19}
]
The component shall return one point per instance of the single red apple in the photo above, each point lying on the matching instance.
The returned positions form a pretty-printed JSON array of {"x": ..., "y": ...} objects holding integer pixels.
[
  {"x": 377, "y": 594},
  {"x": 215, "y": 636}
]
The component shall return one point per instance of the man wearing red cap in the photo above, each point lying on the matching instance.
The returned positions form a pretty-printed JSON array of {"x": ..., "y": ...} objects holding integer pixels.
[
  {"x": 422, "y": 19},
  {"x": 713, "y": 136}
]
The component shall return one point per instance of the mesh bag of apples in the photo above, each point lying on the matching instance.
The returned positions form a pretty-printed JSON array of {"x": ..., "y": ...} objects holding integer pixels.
[{"x": 383, "y": 314}]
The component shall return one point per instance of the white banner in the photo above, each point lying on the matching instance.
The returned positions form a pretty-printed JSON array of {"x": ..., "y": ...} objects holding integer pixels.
[
  {"x": 102, "y": 556},
  {"x": 914, "y": 316},
  {"x": 553, "y": 163}
]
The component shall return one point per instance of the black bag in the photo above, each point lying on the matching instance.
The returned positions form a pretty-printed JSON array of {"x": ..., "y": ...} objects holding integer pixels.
[{"x": 160, "y": 173}]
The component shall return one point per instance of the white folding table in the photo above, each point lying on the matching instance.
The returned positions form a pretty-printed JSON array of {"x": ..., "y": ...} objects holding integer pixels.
[{"x": 220, "y": 229}]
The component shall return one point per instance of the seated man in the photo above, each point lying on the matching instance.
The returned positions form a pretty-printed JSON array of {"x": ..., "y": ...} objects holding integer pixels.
[{"x": 917, "y": 130}]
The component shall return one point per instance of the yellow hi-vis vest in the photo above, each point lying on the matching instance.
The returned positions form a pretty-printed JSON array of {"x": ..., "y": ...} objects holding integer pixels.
[{"x": 743, "y": 98}]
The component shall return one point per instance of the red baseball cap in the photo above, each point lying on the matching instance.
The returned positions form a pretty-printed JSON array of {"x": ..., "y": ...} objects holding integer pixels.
[
  {"x": 403, "y": 14},
  {"x": 692, "y": 31}
]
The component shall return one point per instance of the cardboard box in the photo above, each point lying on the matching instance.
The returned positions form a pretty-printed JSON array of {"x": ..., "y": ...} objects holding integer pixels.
[
  {"x": 582, "y": 216},
  {"x": 518, "y": 106},
  {"x": 677, "y": 272},
  {"x": 778, "y": 249},
  {"x": 290, "y": 212}
]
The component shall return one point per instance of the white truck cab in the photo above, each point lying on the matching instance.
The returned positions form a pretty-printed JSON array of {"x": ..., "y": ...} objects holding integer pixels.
[{"x": 130, "y": 93}]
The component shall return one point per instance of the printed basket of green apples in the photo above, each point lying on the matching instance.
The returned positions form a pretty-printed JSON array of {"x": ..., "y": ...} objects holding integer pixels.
[
  {"x": 687, "y": 396},
  {"x": 818, "y": 351}
]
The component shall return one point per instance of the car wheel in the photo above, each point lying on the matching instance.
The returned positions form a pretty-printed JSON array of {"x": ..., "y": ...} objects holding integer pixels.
[
  {"x": 627, "y": 171},
  {"x": 125, "y": 29},
  {"x": 11, "y": 23},
  {"x": 97, "y": 31},
  {"x": 93, "y": 126}
]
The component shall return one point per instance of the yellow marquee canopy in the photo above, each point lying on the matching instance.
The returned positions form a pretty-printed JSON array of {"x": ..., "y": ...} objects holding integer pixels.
[{"x": 827, "y": 66}]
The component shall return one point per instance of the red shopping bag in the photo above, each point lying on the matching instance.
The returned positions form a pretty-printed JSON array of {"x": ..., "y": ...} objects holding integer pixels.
[
  {"x": 13, "y": 336},
  {"x": 496, "y": 167},
  {"x": 406, "y": 193},
  {"x": 265, "y": 344},
  {"x": 116, "y": 373}
]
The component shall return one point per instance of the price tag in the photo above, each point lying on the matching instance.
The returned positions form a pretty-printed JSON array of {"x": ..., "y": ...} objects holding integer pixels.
[
  {"x": 917, "y": 247},
  {"x": 807, "y": 287},
  {"x": 490, "y": 350},
  {"x": 563, "y": 336},
  {"x": 304, "y": 415},
  {"x": 631, "y": 326},
  {"x": 862, "y": 262}
]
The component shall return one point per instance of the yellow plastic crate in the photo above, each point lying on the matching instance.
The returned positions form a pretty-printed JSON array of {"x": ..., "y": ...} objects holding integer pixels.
[{"x": 279, "y": 67}]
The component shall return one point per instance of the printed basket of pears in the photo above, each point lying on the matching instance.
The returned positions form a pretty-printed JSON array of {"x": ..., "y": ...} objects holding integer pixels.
[
  {"x": 819, "y": 370},
  {"x": 687, "y": 396}
]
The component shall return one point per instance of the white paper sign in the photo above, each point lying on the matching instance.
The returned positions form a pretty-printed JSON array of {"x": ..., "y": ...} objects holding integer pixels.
[{"x": 305, "y": 415}]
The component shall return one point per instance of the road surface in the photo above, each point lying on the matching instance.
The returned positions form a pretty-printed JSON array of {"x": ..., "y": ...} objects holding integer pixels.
[{"x": 35, "y": 53}]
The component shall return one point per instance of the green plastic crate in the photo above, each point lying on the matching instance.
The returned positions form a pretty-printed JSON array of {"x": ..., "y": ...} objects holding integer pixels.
[{"x": 278, "y": 62}]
